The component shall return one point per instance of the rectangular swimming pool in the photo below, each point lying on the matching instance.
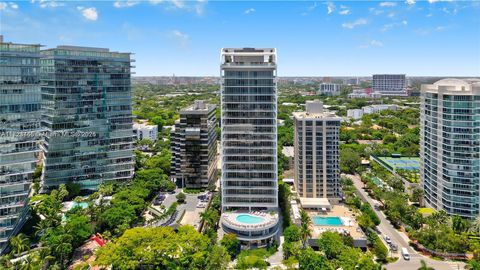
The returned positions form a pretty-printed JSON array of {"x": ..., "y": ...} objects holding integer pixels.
[{"x": 327, "y": 221}]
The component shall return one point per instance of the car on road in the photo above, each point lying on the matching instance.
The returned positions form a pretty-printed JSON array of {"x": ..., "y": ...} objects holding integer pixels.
[
  {"x": 405, "y": 254},
  {"x": 387, "y": 239},
  {"x": 393, "y": 247}
]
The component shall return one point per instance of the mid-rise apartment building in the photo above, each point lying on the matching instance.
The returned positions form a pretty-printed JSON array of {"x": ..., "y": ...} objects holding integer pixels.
[
  {"x": 329, "y": 89},
  {"x": 145, "y": 131},
  {"x": 249, "y": 144},
  {"x": 87, "y": 101},
  {"x": 194, "y": 146},
  {"x": 20, "y": 105},
  {"x": 316, "y": 144},
  {"x": 450, "y": 146},
  {"x": 390, "y": 84}
]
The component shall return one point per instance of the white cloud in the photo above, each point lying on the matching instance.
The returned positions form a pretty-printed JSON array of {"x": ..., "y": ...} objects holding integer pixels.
[
  {"x": 432, "y": 1},
  {"x": 375, "y": 11},
  {"x": 389, "y": 26},
  {"x": 155, "y": 2},
  {"x": 376, "y": 43},
  {"x": 10, "y": 6},
  {"x": 372, "y": 43},
  {"x": 410, "y": 2},
  {"x": 344, "y": 12},
  {"x": 248, "y": 11},
  {"x": 178, "y": 3},
  {"x": 48, "y": 3},
  {"x": 182, "y": 38},
  {"x": 330, "y": 7},
  {"x": 388, "y": 4},
  {"x": 90, "y": 13},
  {"x": 391, "y": 15},
  {"x": 354, "y": 24},
  {"x": 125, "y": 3}
]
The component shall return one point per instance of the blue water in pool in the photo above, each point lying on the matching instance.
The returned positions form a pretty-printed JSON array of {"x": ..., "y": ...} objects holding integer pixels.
[
  {"x": 249, "y": 219},
  {"x": 83, "y": 205},
  {"x": 327, "y": 221}
]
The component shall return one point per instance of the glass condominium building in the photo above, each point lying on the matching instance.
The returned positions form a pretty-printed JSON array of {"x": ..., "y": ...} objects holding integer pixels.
[
  {"x": 249, "y": 129},
  {"x": 20, "y": 104},
  {"x": 249, "y": 143},
  {"x": 450, "y": 146},
  {"x": 86, "y": 96}
]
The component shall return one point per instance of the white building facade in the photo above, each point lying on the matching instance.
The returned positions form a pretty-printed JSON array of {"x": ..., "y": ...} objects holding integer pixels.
[
  {"x": 249, "y": 142},
  {"x": 316, "y": 143},
  {"x": 329, "y": 89},
  {"x": 145, "y": 131},
  {"x": 450, "y": 146}
]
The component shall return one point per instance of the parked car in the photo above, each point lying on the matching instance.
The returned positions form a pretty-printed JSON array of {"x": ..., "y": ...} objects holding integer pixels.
[
  {"x": 388, "y": 240},
  {"x": 394, "y": 247},
  {"x": 405, "y": 254}
]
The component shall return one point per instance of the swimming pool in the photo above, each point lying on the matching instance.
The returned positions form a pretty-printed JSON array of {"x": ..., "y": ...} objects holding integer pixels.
[
  {"x": 83, "y": 205},
  {"x": 327, "y": 221},
  {"x": 249, "y": 219}
]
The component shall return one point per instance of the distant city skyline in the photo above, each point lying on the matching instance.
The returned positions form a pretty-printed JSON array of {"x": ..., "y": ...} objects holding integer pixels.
[{"x": 336, "y": 38}]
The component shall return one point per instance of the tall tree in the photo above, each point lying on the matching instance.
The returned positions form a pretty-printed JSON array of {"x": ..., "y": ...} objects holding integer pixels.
[
  {"x": 305, "y": 224},
  {"x": 20, "y": 243}
]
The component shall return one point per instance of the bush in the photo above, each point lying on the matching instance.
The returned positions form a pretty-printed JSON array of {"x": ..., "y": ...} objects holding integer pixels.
[{"x": 181, "y": 197}]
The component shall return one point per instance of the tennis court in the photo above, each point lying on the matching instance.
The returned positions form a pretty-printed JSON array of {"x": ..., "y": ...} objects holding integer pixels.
[{"x": 402, "y": 163}]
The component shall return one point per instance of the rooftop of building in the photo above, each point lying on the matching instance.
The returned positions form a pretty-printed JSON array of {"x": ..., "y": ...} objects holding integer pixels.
[
  {"x": 315, "y": 110},
  {"x": 454, "y": 85},
  {"x": 143, "y": 124},
  {"x": 12, "y": 46},
  {"x": 198, "y": 106},
  {"x": 67, "y": 50},
  {"x": 248, "y": 50}
]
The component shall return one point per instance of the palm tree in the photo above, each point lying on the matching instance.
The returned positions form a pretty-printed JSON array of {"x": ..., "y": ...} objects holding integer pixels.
[
  {"x": 424, "y": 266},
  {"x": 31, "y": 262},
  {"x": 305, "y": 224},
  {"x": 20, "y": 243},
  {"x": 475, "y": 228}
]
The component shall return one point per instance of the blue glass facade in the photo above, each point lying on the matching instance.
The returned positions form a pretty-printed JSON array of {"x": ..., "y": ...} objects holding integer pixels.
[
  {"x": 20, "y": 103},
  {"x": 450, "y": 146},
  {"x": 86, "y": 96}
]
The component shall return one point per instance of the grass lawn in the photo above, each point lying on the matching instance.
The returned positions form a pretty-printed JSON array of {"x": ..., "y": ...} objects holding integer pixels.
[{"x": 426, "y": 211}]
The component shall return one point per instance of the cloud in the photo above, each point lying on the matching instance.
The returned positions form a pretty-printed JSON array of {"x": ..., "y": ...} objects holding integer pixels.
[
  {"x": 330, "y": 7},
  {"x": 3, "y": 5},
  {"x": 344, "y": 12},
  {"x": 388, "y": 4},
  {"x": 354, "y": 24},
  {"x": 372, "y": 43},
  {"x": 48, "y": 3},
  {"x": 178, "y": 3},
  {"x": 182, "y": 38},
  {"x": 90, "y": 13},
  {"x": 410, "y": 2},
  {"x": 125, "y": 3},
  {"x": 248, "y": 11},
  {"x": 389, "y": 26},
  {"x": 375, "y": 11}
]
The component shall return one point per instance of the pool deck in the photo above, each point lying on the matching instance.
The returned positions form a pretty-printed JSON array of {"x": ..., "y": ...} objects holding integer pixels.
[
  {"x": 347, "y": 217},
  {"x": 269, "y": 220}
]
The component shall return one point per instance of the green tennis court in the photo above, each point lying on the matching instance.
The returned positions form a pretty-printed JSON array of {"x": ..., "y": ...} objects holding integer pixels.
[{"x": 402, "y": 163}]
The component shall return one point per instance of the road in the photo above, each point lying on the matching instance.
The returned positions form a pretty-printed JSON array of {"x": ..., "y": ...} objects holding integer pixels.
[{"x": 401, "y": 239}]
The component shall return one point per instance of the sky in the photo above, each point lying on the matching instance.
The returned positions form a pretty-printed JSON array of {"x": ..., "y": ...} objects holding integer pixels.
[{"x": 313, "y": 38}]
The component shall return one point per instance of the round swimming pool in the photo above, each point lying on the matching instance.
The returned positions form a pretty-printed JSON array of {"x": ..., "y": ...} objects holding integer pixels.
[{"x": 249, "y": 219}]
